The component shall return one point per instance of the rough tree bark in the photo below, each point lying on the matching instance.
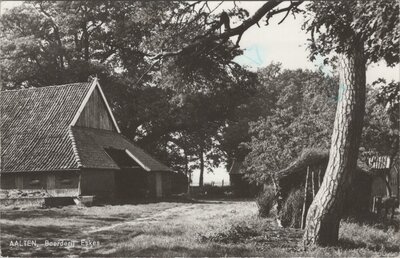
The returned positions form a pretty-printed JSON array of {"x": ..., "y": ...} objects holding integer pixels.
[{"x": 324, "y": 214}]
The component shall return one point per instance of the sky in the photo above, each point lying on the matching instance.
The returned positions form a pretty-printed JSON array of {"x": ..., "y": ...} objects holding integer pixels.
[{"x": 285, "y": 43}]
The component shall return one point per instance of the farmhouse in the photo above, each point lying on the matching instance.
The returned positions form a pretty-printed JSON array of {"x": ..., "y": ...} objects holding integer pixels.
[{"x": 65, "y": 141}]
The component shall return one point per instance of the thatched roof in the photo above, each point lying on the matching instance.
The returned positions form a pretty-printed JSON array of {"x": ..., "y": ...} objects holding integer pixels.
[
  {"x": 34, "y": 127},
  {"x": 38, "y": 134},
  {"x": 309, "y": 157},
  {"x": 92, "y": 145},
  {"x": 313, "y": 157}
]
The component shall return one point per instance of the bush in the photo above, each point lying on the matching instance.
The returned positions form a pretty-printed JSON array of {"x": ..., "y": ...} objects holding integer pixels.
[
  {"x": 291, "y": 212},
  {"x": 265, "y": 201}
]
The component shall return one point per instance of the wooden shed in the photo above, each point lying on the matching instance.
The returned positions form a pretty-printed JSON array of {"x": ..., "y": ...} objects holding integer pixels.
[
  {"x": 309, "y": 169},
  {"x": 65, "y": 140}
]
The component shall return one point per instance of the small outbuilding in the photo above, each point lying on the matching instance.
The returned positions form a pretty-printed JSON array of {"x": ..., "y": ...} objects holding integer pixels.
[
  {"x": 386, "y": 181},
  {"x": 64, "y": 140},
  {"x": 300, "y": 181}
]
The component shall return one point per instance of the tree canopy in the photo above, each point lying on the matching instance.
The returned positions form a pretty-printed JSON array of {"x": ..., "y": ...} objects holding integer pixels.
[
  {"x": 336, "y": 26},
  {"x": 302, "y": 106}
]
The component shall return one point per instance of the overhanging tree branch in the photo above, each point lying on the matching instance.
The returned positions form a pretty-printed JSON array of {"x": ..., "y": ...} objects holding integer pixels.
[
  {"x": 211, "y": 36},
  {"x": 292, "y": 7},
  {"x": 203, "y": 42}
]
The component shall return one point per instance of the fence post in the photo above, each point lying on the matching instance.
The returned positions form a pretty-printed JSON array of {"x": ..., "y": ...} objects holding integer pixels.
[
  {"x": 313, "y": 183},
  {"x": 304, "y": 214}
]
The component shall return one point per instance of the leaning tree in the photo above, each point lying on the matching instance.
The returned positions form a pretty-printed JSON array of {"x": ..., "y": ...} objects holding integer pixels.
[
  {"x": 356, "y": 32},
  {"x": 359, "y": 32}
]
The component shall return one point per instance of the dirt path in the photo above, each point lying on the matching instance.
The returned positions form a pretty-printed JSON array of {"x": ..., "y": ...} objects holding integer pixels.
[{"x": 156, "y": 217}]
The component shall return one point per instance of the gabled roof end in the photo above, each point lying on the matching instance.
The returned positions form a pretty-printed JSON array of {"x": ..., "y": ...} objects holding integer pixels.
[{"x": 93, "y": 85}]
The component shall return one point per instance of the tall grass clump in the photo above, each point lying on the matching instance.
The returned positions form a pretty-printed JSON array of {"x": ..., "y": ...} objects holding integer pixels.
[
  {"x": 290, "y": 214},
  {"x": 265, "y": 201}
]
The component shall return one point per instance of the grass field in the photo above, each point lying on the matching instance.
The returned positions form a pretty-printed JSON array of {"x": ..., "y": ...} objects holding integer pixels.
[{"x": 208, "y": 228}]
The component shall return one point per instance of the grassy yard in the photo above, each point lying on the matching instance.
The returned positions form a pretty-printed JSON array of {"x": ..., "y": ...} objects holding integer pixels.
[{"x": 208, "y": 228}]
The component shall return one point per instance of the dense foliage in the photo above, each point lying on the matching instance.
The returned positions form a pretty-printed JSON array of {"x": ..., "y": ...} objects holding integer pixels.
[
  {"x": 381, "y": 129},
  {"x": 301, "y": 116},
  {"x": 337, "y": 26}
]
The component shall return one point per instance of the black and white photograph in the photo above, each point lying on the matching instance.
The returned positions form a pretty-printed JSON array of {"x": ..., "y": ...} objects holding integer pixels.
[{"x": 134, "y": 128}]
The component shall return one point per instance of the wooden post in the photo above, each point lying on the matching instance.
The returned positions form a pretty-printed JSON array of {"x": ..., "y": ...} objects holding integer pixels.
[
  {"x": 319, "y": 177},
  {"x": 303, "y": 215},
  {"x": 398, "y": 183},
  {"x": 313, "y": 183}
]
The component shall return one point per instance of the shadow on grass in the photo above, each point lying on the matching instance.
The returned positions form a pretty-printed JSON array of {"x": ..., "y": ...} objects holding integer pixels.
[
  {"x": 61, "y": 211},
  {"x": 372, "y": 233},
  {"x": 36, "y": 213},
  {"x": 347, "y": 244},
  {"x": 39, "y": 234},
  {"x": 151, "y": 200},
  {"x": 193, "y": 200},
  {"x": 206, "y": 251}
]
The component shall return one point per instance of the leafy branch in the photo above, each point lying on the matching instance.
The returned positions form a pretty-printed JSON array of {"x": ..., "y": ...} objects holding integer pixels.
[{"x": 267, "y": 10}]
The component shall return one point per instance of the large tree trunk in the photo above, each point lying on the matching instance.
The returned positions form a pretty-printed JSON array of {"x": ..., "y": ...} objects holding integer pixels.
[{"x": 324, "y": 214}]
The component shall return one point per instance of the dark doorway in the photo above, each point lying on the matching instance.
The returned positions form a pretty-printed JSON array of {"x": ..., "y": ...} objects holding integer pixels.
[
  {"x": 131, "y": 179},
  {"x": 130, "y": 184}
]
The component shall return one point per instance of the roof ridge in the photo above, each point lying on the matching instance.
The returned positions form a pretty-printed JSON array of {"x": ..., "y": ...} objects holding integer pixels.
[
  {"x": 49, "y": 86},
  {"x": 74, "y": 148}
]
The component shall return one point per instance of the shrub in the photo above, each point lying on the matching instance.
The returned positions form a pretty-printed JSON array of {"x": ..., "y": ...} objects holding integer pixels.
[
  {"x": 290, "y": 214},
  {"x": 265, "y": 201}
]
